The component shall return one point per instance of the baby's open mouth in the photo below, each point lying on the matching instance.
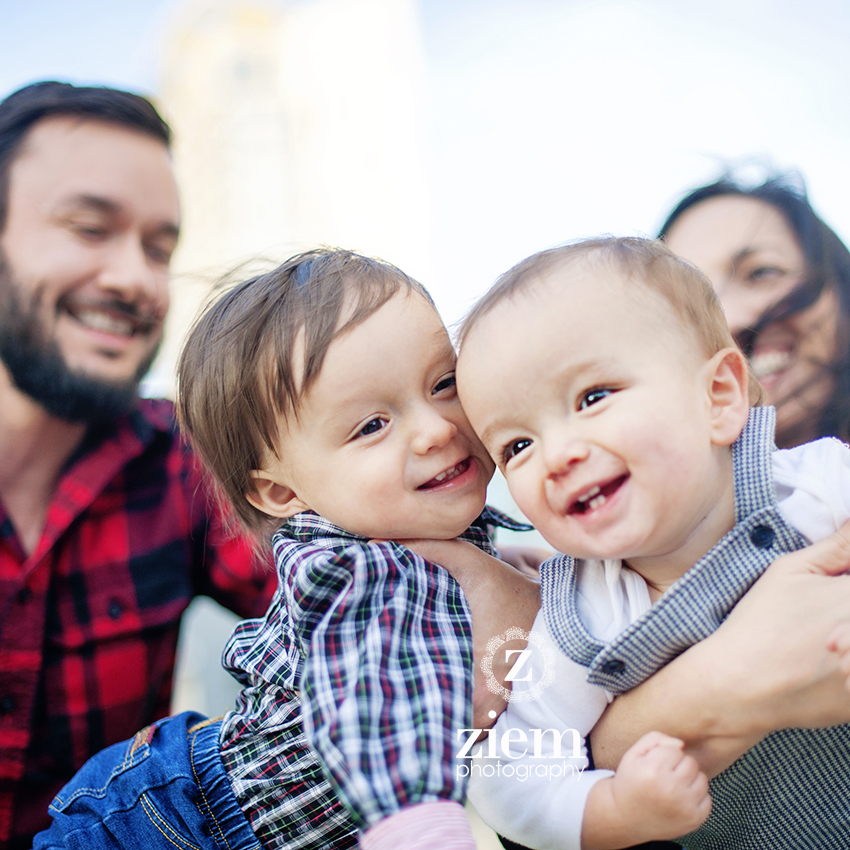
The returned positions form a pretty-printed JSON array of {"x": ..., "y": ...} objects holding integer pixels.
[
  {"x": 446, "y": 475},
  {"x": 596, "y": 496}
]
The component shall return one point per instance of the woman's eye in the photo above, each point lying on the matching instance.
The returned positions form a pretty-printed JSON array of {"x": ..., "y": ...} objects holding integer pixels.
[
  {"x": 444, "y": 384},
  {"x": 371, "y": 427},
  {"x": 513, "y": 448},
  {"x": 765, "y": 273},
  {"x": 592, "y": 397}
]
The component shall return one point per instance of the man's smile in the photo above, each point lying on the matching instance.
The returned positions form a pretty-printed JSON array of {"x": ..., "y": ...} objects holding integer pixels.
[{"x": 113, "y": 317}]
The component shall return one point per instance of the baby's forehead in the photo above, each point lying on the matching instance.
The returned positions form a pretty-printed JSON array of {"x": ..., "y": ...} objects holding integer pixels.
[
  {"x": 363, "y": 349},
  {"x": 599, "y": 303},
  {"x": 581, "y": 289}
]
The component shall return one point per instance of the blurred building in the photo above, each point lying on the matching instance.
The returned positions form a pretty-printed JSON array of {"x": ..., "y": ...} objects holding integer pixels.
[{"x": 296, "y": 124}]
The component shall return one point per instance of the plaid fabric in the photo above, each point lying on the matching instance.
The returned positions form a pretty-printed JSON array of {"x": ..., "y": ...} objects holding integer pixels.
[
  {"x": 790, "y": 791},
  {"x": 370, "y": 648},
  {"x": 90, "y": 619}
]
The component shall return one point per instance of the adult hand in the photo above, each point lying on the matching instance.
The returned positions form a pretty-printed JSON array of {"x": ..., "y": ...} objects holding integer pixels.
[
  {"x": 499, "y": 597},
  {"x": 776, "y": 640},
  {"x": 767, "y": 667}
]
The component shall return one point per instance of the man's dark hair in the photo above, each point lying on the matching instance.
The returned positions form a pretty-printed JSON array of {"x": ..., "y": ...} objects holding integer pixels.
[{"x": 23, "y": 108}]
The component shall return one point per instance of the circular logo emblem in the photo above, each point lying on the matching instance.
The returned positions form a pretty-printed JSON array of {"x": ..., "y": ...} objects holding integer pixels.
[{"x": 521, "y": 669}]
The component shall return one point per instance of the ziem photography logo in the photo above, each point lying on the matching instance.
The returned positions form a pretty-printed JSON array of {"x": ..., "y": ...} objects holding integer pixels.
[{"x": 531, "y": 669}]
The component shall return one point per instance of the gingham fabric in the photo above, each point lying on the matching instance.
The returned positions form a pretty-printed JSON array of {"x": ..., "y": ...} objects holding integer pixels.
[
  {"x": 790, "y": 792},
  {"x": 365, "y": 652}
]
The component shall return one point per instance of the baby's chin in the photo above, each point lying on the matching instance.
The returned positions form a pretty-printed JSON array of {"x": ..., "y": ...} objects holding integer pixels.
[{"x": 448, "y": 531}]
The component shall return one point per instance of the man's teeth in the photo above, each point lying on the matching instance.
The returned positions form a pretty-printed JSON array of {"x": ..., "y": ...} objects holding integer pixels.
[
  {"x": 593, "y": 498},
  {"x": 99, "y": 321},
  {"x": 769, "y": 362}
]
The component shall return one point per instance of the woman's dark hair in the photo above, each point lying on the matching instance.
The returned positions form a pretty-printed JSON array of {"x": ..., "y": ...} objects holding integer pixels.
[
  {"x": 25, "y": 107},
  {"x": 827, "y": 266}
]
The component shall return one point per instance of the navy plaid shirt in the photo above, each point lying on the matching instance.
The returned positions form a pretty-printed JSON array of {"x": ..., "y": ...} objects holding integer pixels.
[{"x": 368, "y": 647}]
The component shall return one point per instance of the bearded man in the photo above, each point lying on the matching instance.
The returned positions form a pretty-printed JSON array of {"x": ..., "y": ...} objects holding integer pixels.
[{"x": 106, "y": 529}]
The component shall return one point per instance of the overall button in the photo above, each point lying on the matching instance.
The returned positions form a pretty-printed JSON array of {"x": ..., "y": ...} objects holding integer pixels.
[
  {"x": 24, "y": 595},
  {"x": 114, "y": 609},
  {"x": 613, "y": 666},
  {"x": 7, "y": 704},
  {"x": 763, "y": 536}
]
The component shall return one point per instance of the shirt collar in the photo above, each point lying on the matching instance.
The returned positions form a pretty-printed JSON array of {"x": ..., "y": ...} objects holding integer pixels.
[{"x": 308, "y": 526}]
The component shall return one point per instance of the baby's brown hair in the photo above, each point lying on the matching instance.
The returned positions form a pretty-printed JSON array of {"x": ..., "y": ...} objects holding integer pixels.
[
  {"x": 256, "y": 351},
  {"x": 644, "y": 261}
]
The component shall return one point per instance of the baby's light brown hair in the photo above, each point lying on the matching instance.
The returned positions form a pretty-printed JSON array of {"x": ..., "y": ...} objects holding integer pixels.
[
  {"x": 642, "y": 262},
  {"x": 254, "y": 353}
]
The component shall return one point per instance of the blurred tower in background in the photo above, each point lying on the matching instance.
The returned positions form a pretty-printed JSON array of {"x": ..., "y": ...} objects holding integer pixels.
[{"x": 296, "y": 123}]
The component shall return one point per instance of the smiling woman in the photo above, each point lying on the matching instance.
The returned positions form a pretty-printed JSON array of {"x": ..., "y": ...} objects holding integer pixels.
[{"x": 783, "y": 277}]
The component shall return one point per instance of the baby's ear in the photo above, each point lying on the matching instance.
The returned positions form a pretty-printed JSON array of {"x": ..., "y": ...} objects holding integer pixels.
[
  {"x": 728, "y": 391},
  {"x": 272, "y": 497}
]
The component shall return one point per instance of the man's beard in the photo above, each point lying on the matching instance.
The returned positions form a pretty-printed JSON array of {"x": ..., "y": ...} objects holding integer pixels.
[{"x": 38, "y": 369}]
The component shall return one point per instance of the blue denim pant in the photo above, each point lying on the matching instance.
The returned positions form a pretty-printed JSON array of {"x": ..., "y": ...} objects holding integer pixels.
[{"x": 166, "y": 788}]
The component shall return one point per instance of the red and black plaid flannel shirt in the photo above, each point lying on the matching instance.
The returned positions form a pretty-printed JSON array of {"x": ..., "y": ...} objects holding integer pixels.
[{"x": 89, "y": 622}]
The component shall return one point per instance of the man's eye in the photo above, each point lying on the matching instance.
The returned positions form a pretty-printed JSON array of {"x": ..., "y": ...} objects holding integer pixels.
[
  {"x": 89, "y": 231},
  {"x": 593, "y": 396},
  {"x": 513, "y": 448},
  {"x": 371, "y": 427},
  {"x": 159, "y": 255},
  {"x": 444, "y": 384}
]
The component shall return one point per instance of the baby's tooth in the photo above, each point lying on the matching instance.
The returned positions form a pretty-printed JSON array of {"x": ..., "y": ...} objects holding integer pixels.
[
  {"x": 597, "y": 502},
  {"x": 589, "y": 494}
]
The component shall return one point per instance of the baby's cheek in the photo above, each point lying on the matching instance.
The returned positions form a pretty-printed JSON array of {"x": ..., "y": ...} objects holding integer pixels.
[{"x": 529, "y": 497}]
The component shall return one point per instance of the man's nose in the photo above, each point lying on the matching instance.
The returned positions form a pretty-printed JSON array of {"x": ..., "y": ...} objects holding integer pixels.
[{"x": 128, "y": 273}]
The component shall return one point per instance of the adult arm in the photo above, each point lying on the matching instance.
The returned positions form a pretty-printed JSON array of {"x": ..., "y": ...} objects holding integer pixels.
[
  {"x": 499, "y": 596},
  {"x": 766, "y": 668}
]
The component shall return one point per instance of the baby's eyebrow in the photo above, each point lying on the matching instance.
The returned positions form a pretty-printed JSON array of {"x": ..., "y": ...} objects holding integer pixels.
[{"x": 489, "y": 434}]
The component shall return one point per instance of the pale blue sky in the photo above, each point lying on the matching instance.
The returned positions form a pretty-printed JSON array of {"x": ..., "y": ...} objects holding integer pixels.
[{"x": 551, "y": 118}]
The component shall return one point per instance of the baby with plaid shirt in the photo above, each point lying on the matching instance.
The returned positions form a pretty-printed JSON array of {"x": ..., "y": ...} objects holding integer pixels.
[
  {"x": 322, "y": 398},
  {"x": 604, "y": 383}
]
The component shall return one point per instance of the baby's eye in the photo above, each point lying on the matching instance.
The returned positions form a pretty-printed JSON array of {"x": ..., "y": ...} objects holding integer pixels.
[
  {"x": 371, "y": 427},
  {"x": 593, "y": 396},
  {"x": 513, "y": 448},
  {"x": 444, "y": 384}
]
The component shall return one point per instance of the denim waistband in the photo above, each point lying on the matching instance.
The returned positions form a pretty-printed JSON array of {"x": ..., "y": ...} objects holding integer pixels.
[{"x": 228, "y": 825}]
